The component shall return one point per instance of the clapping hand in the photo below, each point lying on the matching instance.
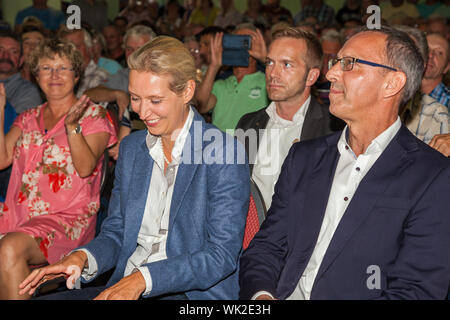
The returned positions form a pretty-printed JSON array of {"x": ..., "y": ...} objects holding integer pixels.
[{"x": 76, "y": 112}]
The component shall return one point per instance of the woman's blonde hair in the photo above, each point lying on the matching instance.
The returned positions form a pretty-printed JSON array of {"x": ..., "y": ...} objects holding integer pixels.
[
  {"x": 54, "y": 47},
  {"x": 166, "y": 56}
]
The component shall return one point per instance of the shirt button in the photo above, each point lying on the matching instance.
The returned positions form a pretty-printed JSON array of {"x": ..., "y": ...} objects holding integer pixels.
[
  {"x": 346, "y": 147},
  {"x": 358, "y": 169},
  {"x": 346, "y": 199}
]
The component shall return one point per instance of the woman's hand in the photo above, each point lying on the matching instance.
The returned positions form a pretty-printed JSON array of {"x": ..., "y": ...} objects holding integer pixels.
[
  {"x": 64, "y": 268},
  {"x": 2, "y": 97},
  {"x": 129, "y": 288},
  {"x": 76, "y": 112}
]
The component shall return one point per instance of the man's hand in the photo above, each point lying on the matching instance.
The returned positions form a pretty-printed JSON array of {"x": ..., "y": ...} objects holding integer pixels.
[
  {"x": 129, "y": 288},
  {"x": 441, "y": 142},
  {"x": 122, "y": 100},
  {"x": 216, "y": 51},
  {"x": 259, "y": 48}
]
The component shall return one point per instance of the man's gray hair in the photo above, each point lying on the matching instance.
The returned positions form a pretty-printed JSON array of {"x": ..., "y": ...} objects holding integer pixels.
[
  {"x": 139, "y": 31},
  {"x": 331, "y": 35},
  {"x": 419, "y": 39},
  {"x": 403, "y": 55}
]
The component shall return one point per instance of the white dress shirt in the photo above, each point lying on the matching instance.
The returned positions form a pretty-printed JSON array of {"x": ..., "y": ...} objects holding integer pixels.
[
  {"x": 350, "y": 171},
  {"x": 274, "y": 146},
  {"x": 152, "y": 237}
]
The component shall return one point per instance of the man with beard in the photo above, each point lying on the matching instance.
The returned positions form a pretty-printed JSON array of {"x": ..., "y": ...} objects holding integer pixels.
[
  {"x": 292, "y": 67},
  {"x": 21, "y": 94}
]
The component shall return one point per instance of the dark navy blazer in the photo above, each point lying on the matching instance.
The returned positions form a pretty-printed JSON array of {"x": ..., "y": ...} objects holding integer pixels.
[
  {"x": 398, "y": 220},
  {"x": 207, "y": 215}
]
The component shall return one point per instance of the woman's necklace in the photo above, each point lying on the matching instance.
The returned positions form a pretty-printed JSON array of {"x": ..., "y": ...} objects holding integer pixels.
[{"x": 164, "y": 154}]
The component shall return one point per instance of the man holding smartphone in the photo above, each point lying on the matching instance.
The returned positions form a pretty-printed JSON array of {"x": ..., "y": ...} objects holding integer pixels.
[{"x": 239, "y": 94}]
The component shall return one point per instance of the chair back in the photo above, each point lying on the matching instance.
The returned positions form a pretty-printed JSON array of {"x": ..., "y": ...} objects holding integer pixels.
[{"x": 255, "y": 215}]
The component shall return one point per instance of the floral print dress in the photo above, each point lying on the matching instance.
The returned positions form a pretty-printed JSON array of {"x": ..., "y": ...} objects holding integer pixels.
[{"x": 46, "y": 198}]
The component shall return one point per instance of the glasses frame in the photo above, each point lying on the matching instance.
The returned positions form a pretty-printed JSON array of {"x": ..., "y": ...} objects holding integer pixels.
[
  {"x": 356, "y": 60},
  {"x": 59, "y": 70}
]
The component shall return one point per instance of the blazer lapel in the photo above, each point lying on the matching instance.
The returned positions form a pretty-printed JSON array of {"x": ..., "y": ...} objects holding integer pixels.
[
  {"x": 137, "y": 196},
  {"x": 192, "y": 153},
  {"x": 312, "y": 121},
  {"x": 370, "y": 190}
]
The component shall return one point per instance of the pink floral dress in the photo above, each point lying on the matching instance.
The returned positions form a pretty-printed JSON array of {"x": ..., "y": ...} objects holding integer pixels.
[{"x": 46, "y": 198}]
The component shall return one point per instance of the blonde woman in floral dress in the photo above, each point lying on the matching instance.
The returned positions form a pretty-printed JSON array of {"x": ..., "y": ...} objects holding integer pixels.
[{"x": 56, "y": 150}]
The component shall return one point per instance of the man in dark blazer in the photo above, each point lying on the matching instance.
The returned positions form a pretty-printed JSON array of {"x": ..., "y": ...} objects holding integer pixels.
[
  {"x": 361, "y": 214},
  {"x": 292, "y": 67}
]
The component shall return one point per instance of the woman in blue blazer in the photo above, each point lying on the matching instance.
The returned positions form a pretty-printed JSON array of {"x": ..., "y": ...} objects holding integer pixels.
[{"x": 178, "y": 209}]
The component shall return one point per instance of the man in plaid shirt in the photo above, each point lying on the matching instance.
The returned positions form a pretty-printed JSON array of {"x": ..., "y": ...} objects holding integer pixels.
[{"x": 438, "y": 65}]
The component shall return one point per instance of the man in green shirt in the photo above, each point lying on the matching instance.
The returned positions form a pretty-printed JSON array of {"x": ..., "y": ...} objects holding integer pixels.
[{"x": 239, "y": 94}]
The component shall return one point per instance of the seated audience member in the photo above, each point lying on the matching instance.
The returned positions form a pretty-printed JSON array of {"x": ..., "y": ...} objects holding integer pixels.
[
  {"x": 205, "y": 38},
  {"x": 274, "y": 12},
  {"x": 94, "y": 13},
  {"x": 122, "y": 23},
  {"x": 171, "y": 23},
  {"x": 429, "y": 7},
  {"x": 56, "y": 151},
  {"x": 355, "y": 213},
  {"x": 205, "y": 13},
  {"x": 394, "y": 11},
  {"x": 91, "y": 75},
  {"x": 115, "y": 90},
  {"x": 331, "y": 42},
  {"x": 422, "y": 114},
  {"x": 114, "y": 44},
  {"x": 51, "y": 18},
  {"x": 21, "y": 93},
  {"x": 31, "y": 37},
  {"x": 239, "y": 94},
  {"x": 139, "y": 11},
  {"x": 253, "y": 13},
  {"x": 350, "y": 11},
  {"x": 228, "y": 15},
  {"x": 316, "y": 8},
  {"x": 98, "y": 47},
  {"x": 194, "y": 48},
  {"x": 292, "y": 67},
  {"x": 438, "y": 64},
  {"x": 175, "y": 227}
]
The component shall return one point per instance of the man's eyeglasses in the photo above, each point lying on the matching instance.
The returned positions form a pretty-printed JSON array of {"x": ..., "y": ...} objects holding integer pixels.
[
  {"x": 46, "y": 71},
  {"x": 347, "y": 63}
]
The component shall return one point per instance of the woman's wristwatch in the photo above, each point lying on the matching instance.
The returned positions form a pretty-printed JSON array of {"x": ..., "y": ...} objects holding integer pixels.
[{"x": 77, "y": 130}]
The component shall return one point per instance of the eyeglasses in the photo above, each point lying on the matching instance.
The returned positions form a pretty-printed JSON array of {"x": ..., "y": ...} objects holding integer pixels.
[
  {"x": 46, "y": 70},
  {"x": 347, "y": 63}
]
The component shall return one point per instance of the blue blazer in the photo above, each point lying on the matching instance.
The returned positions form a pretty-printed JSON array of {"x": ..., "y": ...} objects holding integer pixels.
[
  {"x": 207, "y": 215},
  {"x": 398, "y": 220}
]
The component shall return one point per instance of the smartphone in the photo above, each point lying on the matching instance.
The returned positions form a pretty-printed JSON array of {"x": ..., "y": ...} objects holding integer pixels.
[{"x": 235, "y": 50}]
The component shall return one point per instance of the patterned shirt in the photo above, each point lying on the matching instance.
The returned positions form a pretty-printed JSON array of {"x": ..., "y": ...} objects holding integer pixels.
[
  {"x": 324, "y": 14},
  {"x": 431, "y": 118},
  {"x": 442, "y": 94},
  {"x": 92, "y": 77}
]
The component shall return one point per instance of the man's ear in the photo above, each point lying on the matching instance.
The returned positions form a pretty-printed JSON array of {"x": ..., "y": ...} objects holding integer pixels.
[
  {"x": 394, "y": 83},
  {"x": 313, "y": 75},
  {"x": 188, "y": 93}
]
